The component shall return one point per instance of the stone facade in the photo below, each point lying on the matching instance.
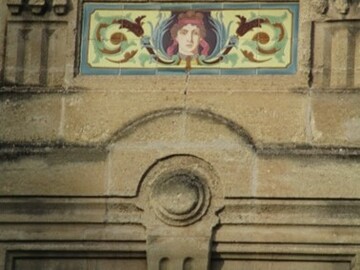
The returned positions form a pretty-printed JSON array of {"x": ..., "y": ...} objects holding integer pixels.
[{"x": 178, "y": 172}]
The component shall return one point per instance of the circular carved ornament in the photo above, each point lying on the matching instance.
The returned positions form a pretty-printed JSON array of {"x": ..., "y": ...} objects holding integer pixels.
[{"x": 179, "y": 198}]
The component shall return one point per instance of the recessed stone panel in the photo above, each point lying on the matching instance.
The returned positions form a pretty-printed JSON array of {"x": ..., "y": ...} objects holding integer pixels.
[
  {"x": 336, "y": 55},
  {"x": 35, "y": 53}
]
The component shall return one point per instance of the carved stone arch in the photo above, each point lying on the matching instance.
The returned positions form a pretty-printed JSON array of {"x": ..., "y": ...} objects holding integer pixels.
[
  {"x": 183, "y": 165},
  {"x": 133, "y": 126},
  {"x": 178, "y": 131}
]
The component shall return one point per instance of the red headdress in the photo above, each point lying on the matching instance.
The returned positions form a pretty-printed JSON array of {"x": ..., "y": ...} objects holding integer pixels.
[{"x": 193, "y": 21}]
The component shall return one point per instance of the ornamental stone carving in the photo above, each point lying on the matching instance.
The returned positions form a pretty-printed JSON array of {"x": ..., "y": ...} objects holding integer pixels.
[
  {"x": 38, "y": 7},
  {"x": 320, "y": 6},
  {"x": 181, "y": 196},
  {"x": 335, "y": 8},
  {"x": 342, "y": 6}
]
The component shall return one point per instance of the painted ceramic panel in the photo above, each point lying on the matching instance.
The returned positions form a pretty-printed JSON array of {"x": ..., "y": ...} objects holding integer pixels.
[{"x": 196, "y": 38}]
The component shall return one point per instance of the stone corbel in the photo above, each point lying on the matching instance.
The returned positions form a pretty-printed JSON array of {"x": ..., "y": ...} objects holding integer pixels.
[
  {"x": 60, "y": 6},
  {"x": 37, "y": 6},
  {"x": 320, "y": 6},
  {"x": 342, "y": 6},
  {"x": 15, "y": 6}
]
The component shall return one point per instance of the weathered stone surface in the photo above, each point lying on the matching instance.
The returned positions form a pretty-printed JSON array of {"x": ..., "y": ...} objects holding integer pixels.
[
  {"x": 248, "y": 110},
  {"x": 335, "y": 119},
  {"x": 291, "y": 212},
  {"x": 35, "y": 52},
  {"x": 188, "y": 171},
  {"x": 307, "y": 177},
  {"x": 280, "y": 265},
  {"x": 96, "y": 116},
  {"x": 255, "y": 111},
  {"x": 195, "y": 133},
  {"x": 286, "y": 234},
  {"x": 53, "y": 177},
  {"x": 336, "y": 56},
  {"x": 30, "y": 117},
  {"x": 81, "y": 263},
  {"x": 2, "y": 257},
  {"x": 70, "y": 232},
  {"x": 3, "y": 12}
]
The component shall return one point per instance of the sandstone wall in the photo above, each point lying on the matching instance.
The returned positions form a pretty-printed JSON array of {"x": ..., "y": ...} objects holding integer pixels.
[{"x": 178, "y": 172}]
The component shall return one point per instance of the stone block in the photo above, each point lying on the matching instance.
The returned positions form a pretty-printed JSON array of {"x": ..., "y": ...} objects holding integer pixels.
[
  {"x": 30, "y": 117},
  {"x": 55, "y": 176},
  {"x": 357, "y": 60},
  {"x": 307, "y": 177},
  {"x": 96, "y": 116},
  {"x": 267, "y": 117},
  {"x": 80, "y": 263},
  {"x": 336, "y": 119},
  {"x": 243, "y": 264},
  {"x": 2, "y": 257},
  {"x": 74, "y": 232},
  {"x": 248, "y": 83},
  {"x": 263, "y": 235},
  {"x": 133, "y": 84}
]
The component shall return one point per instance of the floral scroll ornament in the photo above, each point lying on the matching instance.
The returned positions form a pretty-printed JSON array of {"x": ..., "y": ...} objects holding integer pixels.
[{"x": 194, "y": 38}]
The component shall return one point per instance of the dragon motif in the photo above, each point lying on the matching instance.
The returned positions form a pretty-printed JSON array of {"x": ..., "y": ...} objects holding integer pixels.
[
  {"x": 245, "y": 26},
  {"x": 134, "y": 27}
]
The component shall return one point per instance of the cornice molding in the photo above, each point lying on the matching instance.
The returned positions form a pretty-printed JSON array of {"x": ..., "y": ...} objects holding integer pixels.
[{"x": 38, "y": 7}]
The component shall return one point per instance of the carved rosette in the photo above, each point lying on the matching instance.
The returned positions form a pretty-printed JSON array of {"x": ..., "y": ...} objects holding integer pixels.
[
  {"x": 180, "y": 198},
  {"x": 177, "y": 191}
]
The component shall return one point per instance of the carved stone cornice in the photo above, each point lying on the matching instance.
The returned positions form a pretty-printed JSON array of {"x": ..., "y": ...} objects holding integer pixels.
[
  {"x": 333, "y": 8},
  {"x": 15, "y": 6},
  {"x": 342, "y": 6},
  {"x": 38, "y": 7},
  {"x": 60, "y": 7}
]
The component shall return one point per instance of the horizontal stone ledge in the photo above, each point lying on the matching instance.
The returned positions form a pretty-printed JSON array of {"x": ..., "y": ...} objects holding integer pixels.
[
  {"x": 330, "y": 90},
  {"x": 285, "y": 251},
  {"x": 13, "y": 150},
  {"x": 284, "y": 256},
  {"x": 225, "y": 250},
  {"x": 225, "y": 234},
  {"x": 33, "y": 90},
  {"x": 71, "y": 211},
  {"x": 292, "y": 212},
  {"x": 71, "y": 232},
  {"x": 124, "y": 211},
  {"x": 276, "y": 234},
  {"x": 10, "y": 150}
]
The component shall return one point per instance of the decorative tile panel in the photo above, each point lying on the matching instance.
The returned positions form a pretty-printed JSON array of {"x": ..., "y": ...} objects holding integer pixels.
[{"x": 197, "y": 38}]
